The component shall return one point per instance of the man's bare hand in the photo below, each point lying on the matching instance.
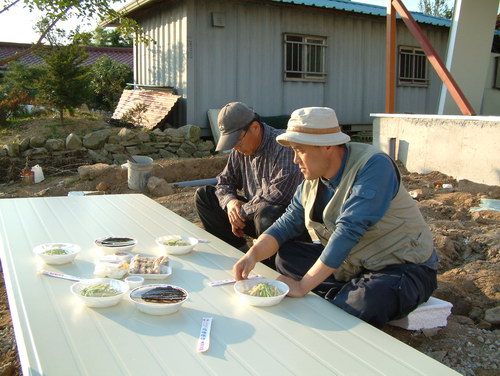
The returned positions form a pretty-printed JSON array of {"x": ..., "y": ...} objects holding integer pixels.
[
  {"x": 237, "y": 231},
  {"x": 235, "y": 218},
  {"x": 296, "y": 290},
  {"x": 244, "y": 266}
]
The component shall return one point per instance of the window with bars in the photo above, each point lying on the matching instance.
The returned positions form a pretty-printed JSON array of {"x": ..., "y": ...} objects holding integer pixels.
[
  {"x": 496, "y": 83},
  {"x": 304, "y": 58},
  {"x": 412, "y": 67}
]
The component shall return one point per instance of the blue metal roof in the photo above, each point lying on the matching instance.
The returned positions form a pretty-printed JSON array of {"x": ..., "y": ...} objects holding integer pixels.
[{"x": 375, "y": 10}]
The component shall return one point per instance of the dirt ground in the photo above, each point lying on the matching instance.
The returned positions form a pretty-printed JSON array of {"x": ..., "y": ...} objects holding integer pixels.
[{"x": 468, "y": 244}]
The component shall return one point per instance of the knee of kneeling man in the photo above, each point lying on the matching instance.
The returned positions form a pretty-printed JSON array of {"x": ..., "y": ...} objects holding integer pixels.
[
  {"x": 373, "y": 314},
  {"x": 201, "y": 192}
]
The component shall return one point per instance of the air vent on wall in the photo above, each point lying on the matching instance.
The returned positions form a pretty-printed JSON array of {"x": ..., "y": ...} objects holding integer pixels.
[{"x": 218, "y": 19}]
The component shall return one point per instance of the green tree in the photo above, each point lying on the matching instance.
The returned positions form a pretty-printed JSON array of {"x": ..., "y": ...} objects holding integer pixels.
[
  {"x": 17, "y": 88},
  {"x": 56, "y": 11},
  {"x": 103, "y": 37},
  {"x": 21, "y": 78},
  {"x": 64, "y": 83},
  {"x": 438, "y": 8},
  {"x": 108, "y": 78}
]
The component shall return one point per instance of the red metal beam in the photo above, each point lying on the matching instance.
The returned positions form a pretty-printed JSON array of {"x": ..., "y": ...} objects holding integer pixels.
[
  {"x": 390, "y": 60},
  {"x": 457, "y": 94}
]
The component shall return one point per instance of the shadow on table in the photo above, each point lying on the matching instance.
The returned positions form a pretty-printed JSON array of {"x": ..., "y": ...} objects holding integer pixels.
[
  {"x": 191, "y": 280},
  {"x": 310, "y": 311},
  {"x": 211, "y": 260},
  {"x": 186, "y": 320}
]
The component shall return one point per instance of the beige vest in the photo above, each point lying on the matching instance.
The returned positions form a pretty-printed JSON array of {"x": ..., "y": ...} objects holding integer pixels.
[{"x": 400, "y": 236}]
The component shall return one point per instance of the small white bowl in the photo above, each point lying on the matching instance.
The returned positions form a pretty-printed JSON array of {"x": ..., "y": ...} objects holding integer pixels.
[
  {"x": 242, "y": 286},
  {"x": 71, "y": 249},
  {"x": 134, "y": 281},
  {"x": 154, "y": 308},
  {"x": 176, "y": 249},
  {"x": 99, "y": 302},
  {"x": 112, "y": 249}
]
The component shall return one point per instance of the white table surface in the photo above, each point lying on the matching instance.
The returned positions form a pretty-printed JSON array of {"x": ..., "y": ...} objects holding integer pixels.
[{"x": 57, "y": 335}]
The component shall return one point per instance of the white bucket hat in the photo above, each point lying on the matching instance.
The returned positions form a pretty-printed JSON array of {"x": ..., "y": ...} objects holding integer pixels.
[{"x": 313, "y": 126}]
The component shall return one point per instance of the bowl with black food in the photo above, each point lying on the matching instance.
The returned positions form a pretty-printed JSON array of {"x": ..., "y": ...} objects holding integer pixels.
[{"x": 158, "y": 299}]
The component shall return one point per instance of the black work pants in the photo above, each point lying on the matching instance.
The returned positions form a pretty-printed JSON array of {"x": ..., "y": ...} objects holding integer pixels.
[
  {"x": 216, "y": 221},
  {"x": 376, "y": 297}
]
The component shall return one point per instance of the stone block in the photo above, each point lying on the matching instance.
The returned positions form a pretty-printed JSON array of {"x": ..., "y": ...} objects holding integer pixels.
[
  {"x": 114, "y": 148},
  {"x": 114, "y": 139},
  {"x": 73, "y": 142},
  {"x": 96, "y": 140},
  {"x": 54, "y": 144},
  {"x": 199, "y": 154},
  {"x": 37, "y": 141},
  {"x": 93, "y": 171},
  {"x": 133, "y": 150},
  {"x": 24, "y": 144},
  {"x": 35, "y": 152},
  {"x": 159, "y": 187},
  {"x": 191, "y": 132},
  {"x": 13, "y": 149},
  {"x": 166, "y": 154},
  {"x": 99, "y": 156},
  {"x": 126, "y": 134},
  {"x": 143, "y": 136}
]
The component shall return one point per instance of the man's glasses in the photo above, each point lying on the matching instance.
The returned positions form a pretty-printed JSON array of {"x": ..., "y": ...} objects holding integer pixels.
[
  {"x": 245, "y": 131},
  {"x": 242, "y": 137}
]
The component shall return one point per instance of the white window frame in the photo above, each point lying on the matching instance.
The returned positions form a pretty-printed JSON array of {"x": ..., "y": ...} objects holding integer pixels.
[
  {"x": 496, "y": 82},
  {"x": 412, "y": 67},
  {"x": 300, "y": 62}
]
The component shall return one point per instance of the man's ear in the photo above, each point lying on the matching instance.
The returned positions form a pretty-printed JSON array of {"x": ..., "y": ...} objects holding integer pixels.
[{"x": 255, "y": 126}]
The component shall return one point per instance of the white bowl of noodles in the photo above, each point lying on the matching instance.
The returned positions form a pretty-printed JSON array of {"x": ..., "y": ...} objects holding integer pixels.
[
  {"x": 99, "y": 292},
  {"x": 57, "y": 253},
  {"x": 176, "y": 244},
  {"x": 261, "y": 292}
]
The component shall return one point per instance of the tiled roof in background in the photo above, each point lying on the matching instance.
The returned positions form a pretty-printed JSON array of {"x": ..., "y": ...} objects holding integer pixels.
[{"x": 123, "y": 55}]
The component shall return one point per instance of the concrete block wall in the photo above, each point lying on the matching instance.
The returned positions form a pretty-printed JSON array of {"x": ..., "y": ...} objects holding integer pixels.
[{"x": 464, "y": 147}]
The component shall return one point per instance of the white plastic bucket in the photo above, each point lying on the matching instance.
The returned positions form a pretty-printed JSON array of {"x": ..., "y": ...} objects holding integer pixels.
[{"x": 139, "y": 173}]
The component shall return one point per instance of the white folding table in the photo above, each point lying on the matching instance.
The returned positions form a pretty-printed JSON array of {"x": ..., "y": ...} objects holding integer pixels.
[{"x": 57, "y": 335}]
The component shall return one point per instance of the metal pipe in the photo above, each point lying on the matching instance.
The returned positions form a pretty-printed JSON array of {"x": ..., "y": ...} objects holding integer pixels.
[{"x": 195, "y": 183}]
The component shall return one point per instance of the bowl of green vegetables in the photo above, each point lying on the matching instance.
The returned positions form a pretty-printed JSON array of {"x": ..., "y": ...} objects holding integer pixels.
[
  {"x": 261, "y": 292},
  {"x": 99, "y": 292},
  {"x": 176, "y": 244},
  {"x": 57, "y": 253}
]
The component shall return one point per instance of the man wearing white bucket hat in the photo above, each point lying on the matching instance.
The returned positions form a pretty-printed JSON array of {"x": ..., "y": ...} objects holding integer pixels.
[
  {"x": 259, "y": 167},
  {"x": 372, "y": 252}
]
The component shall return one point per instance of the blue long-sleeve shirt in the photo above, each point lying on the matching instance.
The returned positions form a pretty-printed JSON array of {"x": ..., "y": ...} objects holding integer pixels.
[{"x": 374, "y": 187}]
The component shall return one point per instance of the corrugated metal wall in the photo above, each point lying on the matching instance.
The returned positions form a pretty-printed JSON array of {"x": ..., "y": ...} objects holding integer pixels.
[
  {"x": 244, "y": 60},
  {"x": 164, "y": 63}
]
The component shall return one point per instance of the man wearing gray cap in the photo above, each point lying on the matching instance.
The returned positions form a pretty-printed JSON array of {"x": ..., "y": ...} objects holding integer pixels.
[
  {"x": 259, "y": 167},
  {"x": 372, "y": 253}
]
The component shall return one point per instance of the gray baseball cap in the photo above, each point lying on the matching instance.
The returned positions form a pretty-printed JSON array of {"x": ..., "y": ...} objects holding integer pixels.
[{"x": 233, "y": 117}]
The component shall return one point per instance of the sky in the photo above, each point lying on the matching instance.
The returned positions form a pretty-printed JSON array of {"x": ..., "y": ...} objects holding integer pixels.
[{"x": 16, "y": 24}]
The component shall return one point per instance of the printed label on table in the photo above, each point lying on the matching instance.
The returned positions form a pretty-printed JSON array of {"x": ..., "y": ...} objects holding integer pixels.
[{"x": 204, "y": 339}]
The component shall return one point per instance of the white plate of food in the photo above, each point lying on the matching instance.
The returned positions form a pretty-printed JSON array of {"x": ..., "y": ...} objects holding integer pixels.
[{"x": 150, "y": 267}]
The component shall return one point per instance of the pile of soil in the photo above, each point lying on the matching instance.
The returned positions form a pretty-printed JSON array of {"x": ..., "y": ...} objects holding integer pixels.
[{"x": 468, "y": 244}]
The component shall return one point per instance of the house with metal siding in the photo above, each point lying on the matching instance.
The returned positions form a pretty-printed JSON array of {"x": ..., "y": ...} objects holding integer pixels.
[{"x": 279, "y": 55}]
